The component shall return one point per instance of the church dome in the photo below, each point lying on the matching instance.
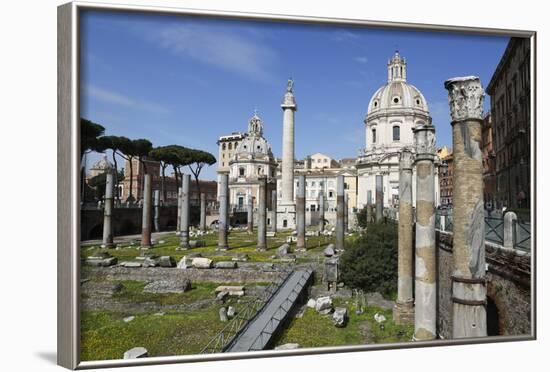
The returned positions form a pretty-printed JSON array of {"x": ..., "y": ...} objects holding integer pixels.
[
  {"x": 103, "y": 164},
  {"x": 397, "y": 94},
  {"x": 253, "y": 142}
]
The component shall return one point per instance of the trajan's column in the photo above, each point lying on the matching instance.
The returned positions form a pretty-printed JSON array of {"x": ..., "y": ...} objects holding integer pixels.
[{"x": 286, "y": 209}]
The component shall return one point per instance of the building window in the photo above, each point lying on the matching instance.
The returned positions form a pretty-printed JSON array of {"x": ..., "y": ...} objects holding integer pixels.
[
  {"x": 241, "y": 172},
  {"x": 223, "y": 146},
  {"x": 373, "y": 135},
  {"x": 229, "y": 146},
  {"x": 330, "y": 194},
  {"x": 396, "y": 134}
]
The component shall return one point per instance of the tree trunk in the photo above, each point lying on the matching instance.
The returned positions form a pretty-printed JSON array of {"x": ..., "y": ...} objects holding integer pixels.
[
  {"x": 130, "y": 196},
  {"x": 162, "y": 183},
  {"x": 116, "y": 175},
  {"x": 196, "y": 175}
]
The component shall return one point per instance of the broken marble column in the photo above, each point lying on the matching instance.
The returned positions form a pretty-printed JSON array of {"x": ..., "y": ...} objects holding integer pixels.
[
  {"x": 340, "y": 213},
  {"x": 274, "y": 211},
  {"x": 156, "y": 210},
  {"x": 146, "y": 212},
  {"x": 301, "y": 214},
  {"x": 178, "y": 227},
  {"x": 223, "y": 219},
  {"x": 321, "y": 211},
  {"x": 509, "y": 236},
  {"x": 108, "y": 211},
  {"x": 185, "y": 211},
  {"x": 346, "y": 211},
  {"x": 379, "y": 198},
  {"x": 262, "y": 218},
  {"x": 403, "y": 312},
  {"x": 250, "y": 214},
  {"x": 469, "y": 292},
  {"x": 369, "y": 206},
  {"x": 425, "y": 317},
  {"x": 202, "y": 224}
]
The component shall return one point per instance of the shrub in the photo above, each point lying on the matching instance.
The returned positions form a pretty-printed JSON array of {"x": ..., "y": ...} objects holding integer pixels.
[{"x": 370, "y": 263}]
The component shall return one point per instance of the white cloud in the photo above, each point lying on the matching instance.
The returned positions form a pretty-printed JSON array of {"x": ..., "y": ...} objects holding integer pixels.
[
  {"x": 342, "y": 35},
  {"x": 219, "y": 47},
  {"x": 361, "y": 59},
  {"x": 122, "y": 100}
]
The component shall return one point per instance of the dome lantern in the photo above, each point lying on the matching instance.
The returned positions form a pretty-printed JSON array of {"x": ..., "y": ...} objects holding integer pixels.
[{"x": 397, "y": 68}]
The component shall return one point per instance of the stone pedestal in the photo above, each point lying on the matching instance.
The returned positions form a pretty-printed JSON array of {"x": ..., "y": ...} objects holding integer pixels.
[
  {"x": 262, "y": 207},
  {"x": 108, "y": 211},
  {"x": 469, "y": 292},
  {"x": 403, "y": 311},
  {"x": 340, "y": 213},
  {"x": 301, "y": 214},
  {"x": 146, "y": 212},
  {"x": 185, "y": 212},
  {"x": 223, "y": 221}
]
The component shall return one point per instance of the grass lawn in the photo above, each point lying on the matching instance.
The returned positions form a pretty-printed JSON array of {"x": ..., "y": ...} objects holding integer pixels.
[
  {"x": 239, "y": 242},
  {"x": 315, "y": 330}
]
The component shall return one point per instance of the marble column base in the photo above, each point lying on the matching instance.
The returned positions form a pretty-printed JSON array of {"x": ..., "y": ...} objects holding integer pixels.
[{"x": 403, "y": 313}]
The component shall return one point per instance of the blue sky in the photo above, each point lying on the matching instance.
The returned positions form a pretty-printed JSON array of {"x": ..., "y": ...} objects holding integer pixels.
[{"x": 188, "y": 80}]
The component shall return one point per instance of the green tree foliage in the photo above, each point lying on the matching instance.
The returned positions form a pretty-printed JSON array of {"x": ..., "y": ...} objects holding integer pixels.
[
  {"x": 362, "y": 217},
  {"x": 199, "y": 159},
  {"x": 89, "y": 133},
  {"x": 370, "y": 263},
  {"x": 98, "y": 183}
]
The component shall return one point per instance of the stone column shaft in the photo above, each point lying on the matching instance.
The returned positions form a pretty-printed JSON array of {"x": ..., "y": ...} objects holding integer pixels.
[
  {"x": 425, "y": 312},
  {"x": 178, "y": 227},
  {"x": 250, "y": 214},
  {"x": 146, "y": 212},
  {"x": 108, "y": 211},
  {"x": 203, "y": 212},
  {"x": 262, "y": 207},
  {"x": 340, "y": 213},
  {"x": 185, "y": 211},
  {"x": 301, "y": 213},
  {"x": 321, "y": 211},
  {"x": 274, "y": 211},
  {"x": 287, "y": 171},
  {"x": 346, "y": 213},
  {"x": 469, "y": 292},
  {"x": 223, "y": 220},
  {"x": 379, "y": 198},
  {"x": 369, "y": 206},
  {"x": 156, "y": 210},
  {"x": 404, "y": 312}
]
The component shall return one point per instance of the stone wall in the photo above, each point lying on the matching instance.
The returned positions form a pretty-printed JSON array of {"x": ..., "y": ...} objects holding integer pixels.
[{"x": 508, "y": 288}]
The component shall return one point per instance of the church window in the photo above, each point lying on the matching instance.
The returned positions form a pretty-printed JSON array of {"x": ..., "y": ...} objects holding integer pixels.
[
  {"x": 375, "y": 103},
  {"x": 395, "y": 99},
  {"x": 418, "y": 101},
  {"x": 241, "y": 172},
  {"x": 396, "y": 133},
  {"x": 373, "y": 135},
  {"x": 229, "y": 146},
  {"x": 223, "y": 146}
]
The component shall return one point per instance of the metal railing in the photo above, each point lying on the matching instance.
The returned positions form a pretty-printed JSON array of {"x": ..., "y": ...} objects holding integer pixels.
[
  {"x": 245, "y": 314},
  {"x": 494, "y": 229}
]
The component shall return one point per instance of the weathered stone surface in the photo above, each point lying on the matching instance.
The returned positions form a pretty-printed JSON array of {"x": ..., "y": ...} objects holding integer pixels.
[
  {"x": 202, "y": 263},
  {"x": 229, "y": 288},
  {"x": 222, "y": 296},
  {"x": 240, "y": 257},
  {"x": 267, "y": 267},
  {"x": 196, "y": 243},
  {"x": 311, "y": 303},
  {"x": 282, "y": 250},
  {"x": 270, "y": 234},
  {"x": 149, "y": 262},
  {"x": 380, "y": 318},
  {"x": 166, "y": 261},
  {"x": 340, "y": 316},
  {"x": 230, "y": 312},
  {"x": 329, "y": 251},
  {"x": 184, "y": 263},
  {"x": 136, "y": 352},
  {"x": 168, "y": 286},
  {"x": 223, "y": 314},
  {"x": 323, "y": 303},
  {"x": 226, "y": 265},
  {"x": 128, "y": 319},
  {"x": 103, "y": 262},
  {"x": 130, "y": 264},
  {"x": 289, "y": 346}
]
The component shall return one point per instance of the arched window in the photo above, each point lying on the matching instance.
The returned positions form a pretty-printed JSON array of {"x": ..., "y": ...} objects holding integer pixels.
[
  {"x": 396, "y": 134},
  {"x": 223, "y": 146},
  {"x": 229, "y": 146},
  {"x": 373, "y": 135}
]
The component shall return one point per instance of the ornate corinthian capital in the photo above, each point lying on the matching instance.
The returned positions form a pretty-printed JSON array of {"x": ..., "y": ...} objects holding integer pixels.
[{"x": 465, "y": 97}]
